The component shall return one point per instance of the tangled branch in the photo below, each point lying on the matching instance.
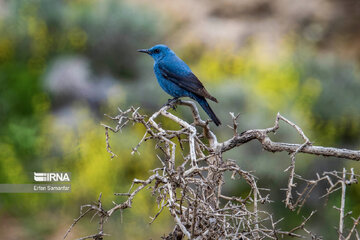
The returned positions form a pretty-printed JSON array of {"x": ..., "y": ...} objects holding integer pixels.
[{"x": 192, "y": 191}]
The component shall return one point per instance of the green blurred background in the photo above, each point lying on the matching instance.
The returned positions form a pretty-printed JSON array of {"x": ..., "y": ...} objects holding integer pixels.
[{"x": 63, "y": 64}]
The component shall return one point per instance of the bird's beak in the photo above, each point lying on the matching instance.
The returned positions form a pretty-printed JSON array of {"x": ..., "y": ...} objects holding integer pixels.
[{"x": 143, "y": 50}]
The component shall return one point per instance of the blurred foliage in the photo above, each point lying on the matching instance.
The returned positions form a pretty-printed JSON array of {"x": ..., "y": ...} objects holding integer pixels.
[
  {"x": 32, "y": 34},
  {"x": 32, "y": 138},
  {"x": 317, "y": 91},
  {"x": 296, "y": 81}
]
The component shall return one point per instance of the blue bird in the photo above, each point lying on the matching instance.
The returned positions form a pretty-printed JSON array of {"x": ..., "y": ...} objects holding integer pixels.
[{"x": 176, "y": 78}]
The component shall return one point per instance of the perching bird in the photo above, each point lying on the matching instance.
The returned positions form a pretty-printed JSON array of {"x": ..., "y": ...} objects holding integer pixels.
[{"x": 177, "y": 79}]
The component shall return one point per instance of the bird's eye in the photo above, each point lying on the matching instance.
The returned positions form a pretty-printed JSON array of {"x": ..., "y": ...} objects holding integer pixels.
[{"x": 156, "y": 50}]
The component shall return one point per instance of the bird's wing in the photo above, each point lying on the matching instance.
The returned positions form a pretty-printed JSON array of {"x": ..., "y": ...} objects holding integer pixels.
[{"x": 186, "y": 80}]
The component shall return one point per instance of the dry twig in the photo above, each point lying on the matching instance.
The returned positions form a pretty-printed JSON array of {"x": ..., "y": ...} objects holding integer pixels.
[{"x": 203, "y": 211}]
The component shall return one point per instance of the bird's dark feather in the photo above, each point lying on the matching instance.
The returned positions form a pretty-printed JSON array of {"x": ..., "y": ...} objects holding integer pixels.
[{"x": 187, "y": 81}]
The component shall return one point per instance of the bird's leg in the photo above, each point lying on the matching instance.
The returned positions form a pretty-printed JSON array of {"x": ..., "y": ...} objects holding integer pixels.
[{"x": 172, "y": 102}]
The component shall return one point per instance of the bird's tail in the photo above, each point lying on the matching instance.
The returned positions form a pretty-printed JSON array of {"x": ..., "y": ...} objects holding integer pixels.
[{"x": 204, "y": 104}]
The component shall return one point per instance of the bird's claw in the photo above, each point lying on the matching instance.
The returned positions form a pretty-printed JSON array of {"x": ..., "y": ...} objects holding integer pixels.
[{"x": 172, "y": 103}]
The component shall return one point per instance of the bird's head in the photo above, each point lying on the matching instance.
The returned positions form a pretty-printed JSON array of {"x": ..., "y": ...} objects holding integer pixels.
[{"x": 157, "y": 52}]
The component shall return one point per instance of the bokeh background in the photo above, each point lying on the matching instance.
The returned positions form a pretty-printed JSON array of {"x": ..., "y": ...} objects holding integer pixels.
[{"x": 64, "y": 64}]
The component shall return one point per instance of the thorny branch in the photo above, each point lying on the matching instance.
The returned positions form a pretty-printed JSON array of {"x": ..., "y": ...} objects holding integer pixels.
[{"x": 202, "y": 210}]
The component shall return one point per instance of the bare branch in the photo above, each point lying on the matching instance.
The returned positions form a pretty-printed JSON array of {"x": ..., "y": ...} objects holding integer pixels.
[{"x": 191, "y": 189}]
